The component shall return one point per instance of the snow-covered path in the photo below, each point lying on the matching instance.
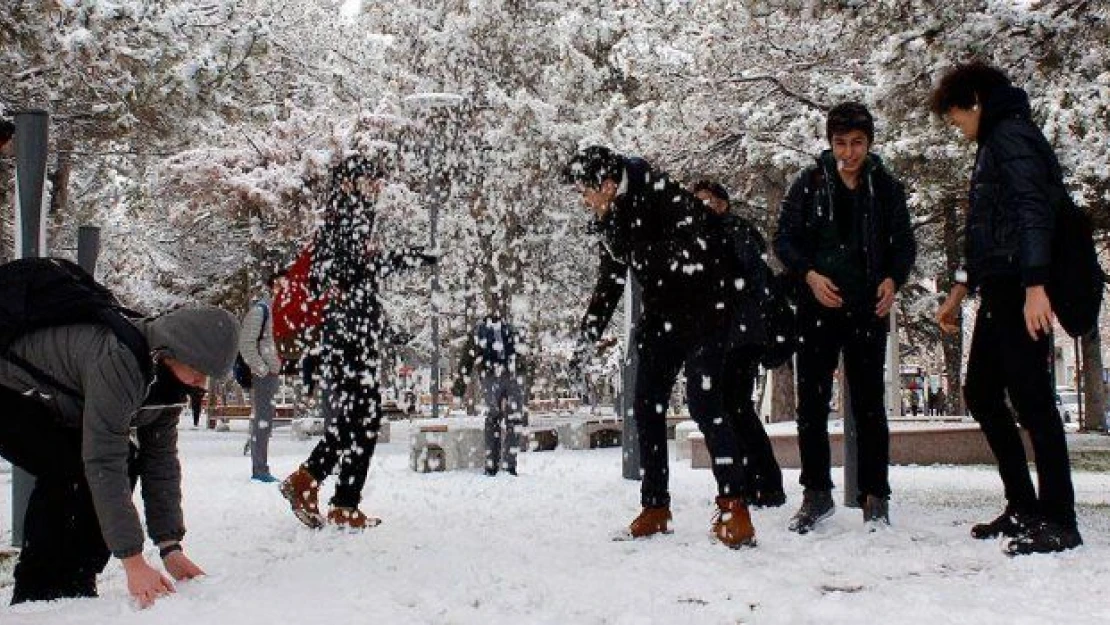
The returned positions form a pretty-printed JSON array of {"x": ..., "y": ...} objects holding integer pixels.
[{"x": 463, "y": 548}]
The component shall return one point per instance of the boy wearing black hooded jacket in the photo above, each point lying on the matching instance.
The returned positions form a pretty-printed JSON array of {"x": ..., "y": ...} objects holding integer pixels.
[{"x": 844, "y": 229}]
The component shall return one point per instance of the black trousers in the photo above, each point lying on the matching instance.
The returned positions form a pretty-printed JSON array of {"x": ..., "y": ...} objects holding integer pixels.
[
  {"x": 762, "y": 472},
  {"x": 63, "y": 549},
  {"x": 664, "y": 350},
  {"x": 824, "y": 334},
  {"x": 1006, "y": 362},
  {"x": 349, "y": 441}
]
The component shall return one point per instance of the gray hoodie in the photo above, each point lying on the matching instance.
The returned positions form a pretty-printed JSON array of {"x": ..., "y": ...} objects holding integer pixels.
[{"x": 91, "y": 360}]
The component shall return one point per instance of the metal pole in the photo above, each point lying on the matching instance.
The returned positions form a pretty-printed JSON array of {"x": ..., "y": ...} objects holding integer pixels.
[
  {"x": 31, "y": 143},
  {"x": 1078, "y": 384},
  {"x": 88, "y": 248},
  {"x": 434, "y": 128},
  {"x": 630, "y": 438},
  {"x": 851, "y": 442},
  {"x": 894, "y": 368},
  {"x": 436, "y": 195}
]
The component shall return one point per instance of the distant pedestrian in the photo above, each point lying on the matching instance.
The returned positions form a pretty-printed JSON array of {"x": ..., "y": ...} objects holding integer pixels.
[
  {"x": 257, "y": 347},
  {"x": 495, "y": 350}
]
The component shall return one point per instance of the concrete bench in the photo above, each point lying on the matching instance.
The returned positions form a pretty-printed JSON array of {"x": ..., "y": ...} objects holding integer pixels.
[
  {"x": 235, "y": 412},
  {"x": 590, "y": 433},
  {"x": 682, "y": 434},
  {"x": 539, "y": 438},
  {"x": 443, "y": 447},
  {"x": 672, "y": 422},
  {"x": 961, "y": 444}
]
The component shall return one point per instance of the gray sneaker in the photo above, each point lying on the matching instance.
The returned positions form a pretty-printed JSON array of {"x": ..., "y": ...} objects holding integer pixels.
[{"x": 817, "y": 505}]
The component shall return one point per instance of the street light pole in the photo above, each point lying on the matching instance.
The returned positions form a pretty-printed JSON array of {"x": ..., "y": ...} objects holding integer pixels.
[
  {"x": 32, "y": 134},
  {"x": 433, "y": 111}
]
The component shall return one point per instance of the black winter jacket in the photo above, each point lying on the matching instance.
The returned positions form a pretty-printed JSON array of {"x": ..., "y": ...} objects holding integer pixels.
[
  {"x": 889, "y": 246},
  {"x": 744, "y": 269},
  {"x": 1014, "y": 186},
  {"x": 349, "y": 273},
  {"x": 657, "y": 229}
]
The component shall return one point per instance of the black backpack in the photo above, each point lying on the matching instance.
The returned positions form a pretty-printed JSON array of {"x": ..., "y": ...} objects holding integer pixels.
[
  {"x": 1076, "y": 280},
  {"x": 241, "y": 371},
  {"x": 776, "y": 309},
  {"x": 37, "y": 293}
]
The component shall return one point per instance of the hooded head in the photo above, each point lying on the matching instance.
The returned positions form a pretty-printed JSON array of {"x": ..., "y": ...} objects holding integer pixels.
[{"x": 205, "y": 338}]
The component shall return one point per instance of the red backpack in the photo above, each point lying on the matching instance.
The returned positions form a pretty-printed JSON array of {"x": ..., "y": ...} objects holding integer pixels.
[{"x": 295, "y": 310}]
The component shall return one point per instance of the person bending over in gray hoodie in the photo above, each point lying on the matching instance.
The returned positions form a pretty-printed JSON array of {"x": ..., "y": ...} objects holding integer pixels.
[{"x": 88, "y": 452}]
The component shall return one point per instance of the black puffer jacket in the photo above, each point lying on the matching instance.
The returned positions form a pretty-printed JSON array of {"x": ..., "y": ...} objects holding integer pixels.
[
  {"x": 889, "y": 246},
  {"x": 744, "y": 268},
  {"x": 1015, "y": 182},
  {"x": 657, "y": 229}
]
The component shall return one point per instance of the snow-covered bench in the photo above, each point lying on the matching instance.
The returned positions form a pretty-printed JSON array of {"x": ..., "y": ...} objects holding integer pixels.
[{"x": 447, "y": 447}]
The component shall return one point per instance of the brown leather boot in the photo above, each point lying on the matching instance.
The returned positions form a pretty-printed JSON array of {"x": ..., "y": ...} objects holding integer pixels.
[
  {"x": 733, "y": 525},
  {"x": 351, "y": 518},
  {"x": 650, "y": 522},
  {"x": 302, "y": 491}
]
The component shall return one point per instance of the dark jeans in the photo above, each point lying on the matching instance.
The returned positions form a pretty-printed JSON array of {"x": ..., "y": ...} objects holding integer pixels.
[
  {"x": 762, "y": 470},
  {"x": 663, "y": 352},
  {"x": 63, "y": 549},
  {"x": 1005, "y": 362},
  {"x": 504, "y": 414},
  {"x": 349, "y": 441},
  {"x": 824, "y": 333}
]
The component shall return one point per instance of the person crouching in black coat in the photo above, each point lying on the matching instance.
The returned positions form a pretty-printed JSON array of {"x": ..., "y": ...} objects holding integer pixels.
[
  {"x": 746, "y": 268},
  {"x": 653, "y": 227},
  {"x": 1009, "y": 251}
]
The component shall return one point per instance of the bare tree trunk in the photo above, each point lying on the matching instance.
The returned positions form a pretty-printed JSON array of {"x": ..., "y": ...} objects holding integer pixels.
[
  {"x": 1094, "y": 390},
  {"x": 783, "y": 402},
  {"x": 59, "y": 179},
  {"x": 953, "y": 346},
  {"x": 7, "y": 211}
]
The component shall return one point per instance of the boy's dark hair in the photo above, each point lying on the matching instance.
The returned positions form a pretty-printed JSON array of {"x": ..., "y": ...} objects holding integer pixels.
[
  {"x": 7, "y": 131},
  {"x": 274, "y": 277},
  {"x": 966, "y": 85},
  {"x": 593, "y": 165},
  {"x": 848, "y": 116},
  {"x": 715, "y": 189}
]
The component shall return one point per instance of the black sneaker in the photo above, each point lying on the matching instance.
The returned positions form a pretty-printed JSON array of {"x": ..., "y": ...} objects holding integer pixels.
[
  {"x": 876, "y": 511},
  {"x": 817, "y": 505},
  {"x": 1044, "y": 537},
  {"x": 1011, "y": 524},
  {"x": 491, "y": 472}
]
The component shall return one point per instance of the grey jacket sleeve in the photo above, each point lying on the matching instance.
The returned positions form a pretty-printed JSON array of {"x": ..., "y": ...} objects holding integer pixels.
[
  {"x": 250, "y": 345},
  {"x": 160, "y": 475},
  {"x": 114, "y": 391}
]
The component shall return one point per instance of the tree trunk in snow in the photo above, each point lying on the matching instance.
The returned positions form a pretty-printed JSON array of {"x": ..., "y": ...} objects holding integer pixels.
[
  {"x": 1094, "y": 390},
  {"x": 783, "y": 405},
  {"x": 952, "y": 345}
]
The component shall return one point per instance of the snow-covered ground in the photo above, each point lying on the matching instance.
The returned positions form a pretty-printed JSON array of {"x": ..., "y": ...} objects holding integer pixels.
[{"x": 463, "y": 548}]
